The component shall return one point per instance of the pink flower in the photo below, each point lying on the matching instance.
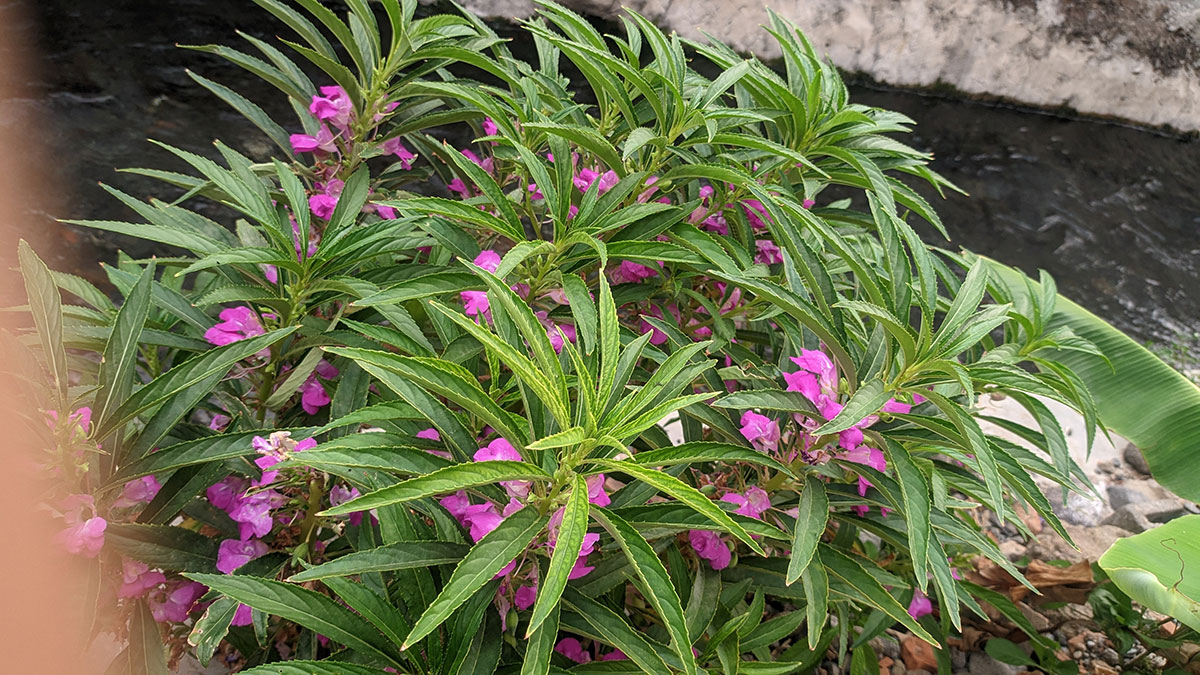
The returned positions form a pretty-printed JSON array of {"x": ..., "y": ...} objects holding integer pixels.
[
  {"x": 631, "y": 272},
  {"x": 137, "y": 491},
  {"x": 920, "y": 605},
  {"x": 570, "y": 648},
  {"x": 581, "y": 568},
  {"x": 334, "y": 106},
  {"x": 805, "y": 383},
  {"x": 137, "y": 579},
  {"x": 488, "y": 260},
  {"x": 237, "y": 323},
  {"x": 596, "y": 493},
  {"x": 489, "y": 127},
  {"x": 481, "y": 519},
  {"x": 82, "y": 537},
  {"x": 429, "y": 434},
  {"x": 456, "y": 504},
  {"x": 756, "y": 213},
  {"x": 242, "y": 616},
  {"x": 819, "y": 364},
  {"x": 323, "y": 205},
  {"x": 225, "y": 494},
  {"x": 501, "y": 449},
  {"x": 323, "y": 141},
  {"x": 174, "y": 603},
  {"x": 525, "y": 597},
  {"x": 339, "y": 494},
  {"x": 808, "y": 203},
  {"x": 252, "y": 513},
  {"x": 487, "y": 164},
  {"x": 760, "y": 430},
  {"x": 232, "y": 553},
  {"x": 393, "y": 146},
  {"x": 534, "y": 193},
  {"x": 313, "y": 396},
  {"x": 615, "y": 655},
  {"x": 768, "y": 252},
  {"x": 475, "y": 303},
  {"x": 708, "y": 545},
  {"x": 586, "y": 177},
  {"x": 458, "y": 187},
  {"x": 871, "y": 457},
  {"x": 753, "y": 504}
]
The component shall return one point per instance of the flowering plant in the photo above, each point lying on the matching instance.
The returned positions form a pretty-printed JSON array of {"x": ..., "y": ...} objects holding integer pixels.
[{"x": 616, "y": 380}]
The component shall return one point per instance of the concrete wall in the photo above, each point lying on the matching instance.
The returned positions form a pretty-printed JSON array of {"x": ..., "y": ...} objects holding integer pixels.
[{"x": 1136, "y": 60}]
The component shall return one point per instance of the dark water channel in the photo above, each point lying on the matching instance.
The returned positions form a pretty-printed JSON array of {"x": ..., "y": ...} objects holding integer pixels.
[{"x": 1112, "y": 211}]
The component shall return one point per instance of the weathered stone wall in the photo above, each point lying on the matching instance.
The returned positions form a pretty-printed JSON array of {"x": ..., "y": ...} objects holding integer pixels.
[{"x": 1137, "y": 60}]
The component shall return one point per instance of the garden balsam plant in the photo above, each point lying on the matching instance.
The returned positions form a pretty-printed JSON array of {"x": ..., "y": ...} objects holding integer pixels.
[{"x": 610, "y": 378}]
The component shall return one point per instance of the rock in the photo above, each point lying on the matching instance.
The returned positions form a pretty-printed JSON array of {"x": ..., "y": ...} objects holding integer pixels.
[
  {"x": 1111, "y": 656},
  {"x": 917, "y": 655},
  {"x": 1142, "y": 516},
  {"x": 1012, "y": 549},
  {"x": 1099, "y": 668},
  {"x": 886, "y": 647},
  {"x": 958, "y": 659},
  {"x": 1134, "y": 458},
  {"x": 1122, "y": 495},
  {"x": 1040, "y": 622},
  {"x": 983, "y": 664},
  {"x": 1092, "y": 543},
  {"x": 899, "y": 669},
  {"x": 1078, "y": 509}
]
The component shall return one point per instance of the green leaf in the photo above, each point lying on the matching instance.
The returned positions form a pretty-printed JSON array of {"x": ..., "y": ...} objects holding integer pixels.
[
  {"x": 211, "y": 628},
  {"x": 707, "y": 451},
  {"x": 868, "y": 589},
  {"x": 587, "y": 139},
  {"x": 119, "y": 362},
  {"x": 45, "y": 303},
  {"x": 566, "y": 553},
  {"x": 1158, "y": 568},
  {"x": 589, "y": 617},
  {"x": 199, "y": 451},
  {"x": 145, "y": 653},
  {"x": 184, "y": 375},
  {"x": 314, "y": 668},
  {"x": 498, "y": 548},
  {"x": 767, "y": 399},
  {"x": 295, "y": 378},
  {"x": 655, "y": 583},
  {"x": 446, "y": 379},
  {"x": 583, "y": 308},
  {"x": 402, "y": 556},
  {"x": 1005, "y": 651},
  {"x": 540, "y": 646},
  {"x": 915, "y": 493},
  {"x": 442, "y": 481},
  {"x": 816, "y": 593},
  {"x": 810, "y": 525},
  {"x": 869, "y": 398},
  {"x": 310, "y": 609},
  {"x": 685, "y": 494},
  {"x": 174, "y": 549}
]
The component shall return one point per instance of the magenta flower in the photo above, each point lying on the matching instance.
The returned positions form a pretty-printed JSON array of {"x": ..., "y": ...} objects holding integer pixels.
[
  {"x": 137, "y": 491},
  {"x": 581, "y": 568},
  {"x": 252, "y": 513},
  {"x": 232, "y": 553},
  {"x": 333, "y": 106},
  {"x": 708, "y": 545},
  {"x": 324, "y": 141},
  {"x": 429, "y": 434},
  {"x": 340, "y": 495},
  {"x": 393, "y": 146},
  {"x": 489, "y": 127},
  {"x": 82, "y": 537},
  {"x": 173, "y": 604},
  {"x": 570, "y": 648},
  {"x": 615, "y": 655},
  {"x": 137, "y": 578},
  {"x": 752, "y": 504},
  {"x": 760, "y": 430},
  {"x": 225, "y": 494},
  {"x": 237, "y": 323},
  {"x": 808, "y": 203},
  {"x": 475, "y": 303},
  {"x": 501, "y": 449},
  {"x": 458, "y": 187},
  {"x": 456, "y": 504},
  {"x": 920, "y": 605},
  {"x": 631, "y": 272},
  {"x": 488, "y": 260},
  {"x": 242, "y": 616},
  {"x": 525, "y": 597},
  {"x": 313, "y": 396},
  {"x": 805, "y": 383},
  {"x": 756, "y": 213},
  {"x": 768, "y": 252},
  {"x": 596, "y": 492},
  {"x": 481, "y": 519},
  {"x": 586, "y": 177}
]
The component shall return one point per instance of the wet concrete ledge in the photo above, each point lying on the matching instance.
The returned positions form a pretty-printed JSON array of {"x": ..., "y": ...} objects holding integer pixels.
[{"x": 1131, "y": 60}]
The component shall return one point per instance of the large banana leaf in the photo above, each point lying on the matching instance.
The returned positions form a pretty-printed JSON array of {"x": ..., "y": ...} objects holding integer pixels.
[
  {"x": 1158, "y": 568},
  {"x": 1137, "y": 395}
]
